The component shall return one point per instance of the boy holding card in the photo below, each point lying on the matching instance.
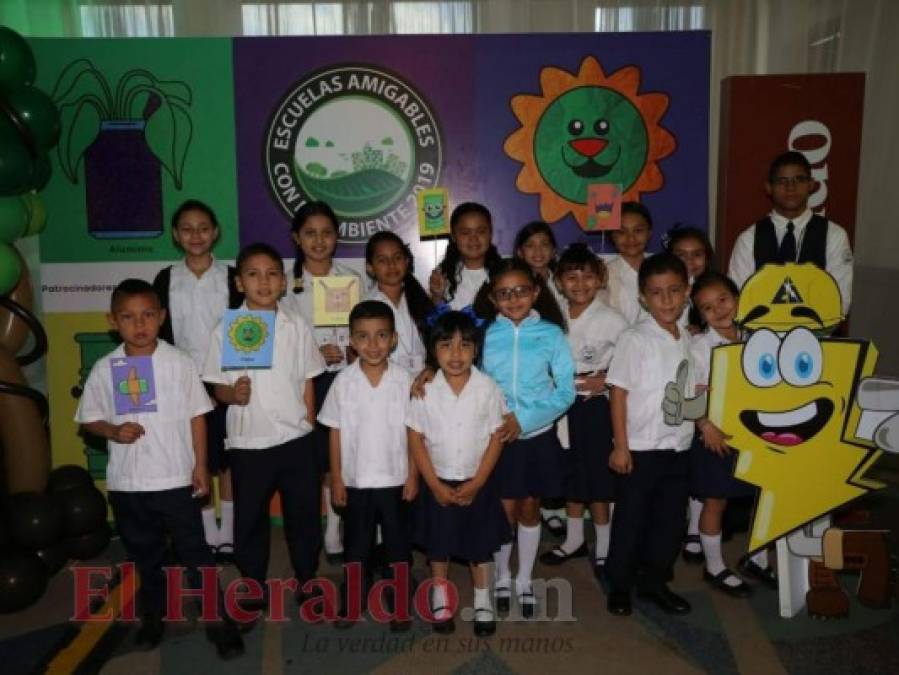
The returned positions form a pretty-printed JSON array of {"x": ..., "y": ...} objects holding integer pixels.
[
  {"x": 157, "y": 458},
  {"x": 269, "y": 427}
]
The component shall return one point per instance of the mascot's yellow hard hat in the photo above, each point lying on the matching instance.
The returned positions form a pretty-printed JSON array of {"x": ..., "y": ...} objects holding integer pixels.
[{"x": 783, "y": 297}]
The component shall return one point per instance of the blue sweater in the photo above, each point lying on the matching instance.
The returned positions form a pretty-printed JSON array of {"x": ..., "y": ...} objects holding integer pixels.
[{"x": 533, "y": 366}]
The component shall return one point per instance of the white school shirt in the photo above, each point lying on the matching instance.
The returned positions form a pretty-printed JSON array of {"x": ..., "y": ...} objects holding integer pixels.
[
  {"x": 374, "y": 451},
  {"x": 646, "y": 359},
  {"x": 276, "y": 412},
  {"x": 838, "y": 253},
  {"x": 457, "y": 429},
  {"x": 701, "y": 346},
  {"x": 470, "y": 282},
  {"x": 592, "y": 336},
  {"x": 410, "y": 350},
  {"x": 624, "y": 290},
  {"x": 163, "y": 458},
  {"x": 301, "y": 303},
  {"x": 195, "y": 305}
]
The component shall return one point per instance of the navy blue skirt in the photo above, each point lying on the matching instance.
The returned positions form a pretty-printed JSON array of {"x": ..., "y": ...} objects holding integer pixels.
[
  {"x": 531, "y": 467},
  {"x": 713, "y": 476},
  {"x": 469, "y": 533},
  {"x": 322, "y": 383},
  {"x": 216, "y": 455},
  {"x": 589, "y": 478}
]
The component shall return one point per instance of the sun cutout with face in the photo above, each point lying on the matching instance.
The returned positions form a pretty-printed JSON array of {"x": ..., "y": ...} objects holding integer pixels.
[{"x": 584, "y": 129}]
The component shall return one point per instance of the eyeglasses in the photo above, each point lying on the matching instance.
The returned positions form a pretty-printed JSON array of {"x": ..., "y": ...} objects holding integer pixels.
[
  {"x": 784, "y": 181},
  {"x": 504, "y": 294}
]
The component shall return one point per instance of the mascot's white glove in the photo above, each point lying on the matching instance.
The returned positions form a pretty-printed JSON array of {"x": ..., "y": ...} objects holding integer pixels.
[{"x": 880, "y": 396}]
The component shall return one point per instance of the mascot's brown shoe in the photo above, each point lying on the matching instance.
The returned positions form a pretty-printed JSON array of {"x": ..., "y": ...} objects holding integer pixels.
[
  {"x": 867, "y": 552},
  {"x": 826, "y": 598}
]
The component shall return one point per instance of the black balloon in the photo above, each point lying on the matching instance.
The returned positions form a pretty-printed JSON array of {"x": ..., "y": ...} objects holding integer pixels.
[
  {"x": 34, "y": 520},
  {"x": 90, "y": 545},
  {"x": 54, "y": 557},
  {"x": 68, "y": 476},
  {"x": 83, "y": 510},
  {"x": 23, "y": 579}
]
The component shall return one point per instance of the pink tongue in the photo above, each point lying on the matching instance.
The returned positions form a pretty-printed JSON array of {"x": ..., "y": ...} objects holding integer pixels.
[{"x": 782, "y": 439}]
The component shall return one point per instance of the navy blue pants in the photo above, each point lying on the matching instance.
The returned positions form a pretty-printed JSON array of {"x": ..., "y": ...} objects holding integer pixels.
[
  {"x": 143, "y": 520},
  {"x": 650, "y": 520}
]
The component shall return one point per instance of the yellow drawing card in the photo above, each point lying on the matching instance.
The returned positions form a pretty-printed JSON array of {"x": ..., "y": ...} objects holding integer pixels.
[
  {"x": 333, "y": 298},
  {"x": 433, "y": 213}
]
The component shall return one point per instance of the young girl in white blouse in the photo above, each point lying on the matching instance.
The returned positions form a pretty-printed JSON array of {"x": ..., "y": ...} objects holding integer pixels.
[
  {"x": 593, "y": 330},
  {"x": 470, "y": 257},
  {"x": 195, "y": 293},
  {"x": 314, "y": 230},
  {"x": 455, "y": 442},
  {"x": 389, "y": 262},
  {"x": 631, "y": 241}
]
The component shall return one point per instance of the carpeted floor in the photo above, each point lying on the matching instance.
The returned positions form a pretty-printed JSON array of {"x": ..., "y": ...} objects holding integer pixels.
[{"x": 721, "y": 635}]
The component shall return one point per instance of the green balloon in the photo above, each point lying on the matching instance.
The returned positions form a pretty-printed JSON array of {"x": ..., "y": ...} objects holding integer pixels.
[
  {"x": 10, "y": 268},
  {"x": 37, "y": 212},
  {"x": 16, "y": 166},
  {"x": 36, "y": 111},
  {"x": 15, "y": 215},
  {"x": 17, "y": 67}
]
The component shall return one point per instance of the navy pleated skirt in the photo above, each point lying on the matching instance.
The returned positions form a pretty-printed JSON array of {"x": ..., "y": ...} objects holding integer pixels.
[
  {"x": 531, "y": 467},
  {"x": 589, "y": 478}
]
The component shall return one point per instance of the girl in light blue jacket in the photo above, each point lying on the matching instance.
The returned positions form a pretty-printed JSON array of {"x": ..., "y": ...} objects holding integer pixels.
[{"x": 526, "y": 352}]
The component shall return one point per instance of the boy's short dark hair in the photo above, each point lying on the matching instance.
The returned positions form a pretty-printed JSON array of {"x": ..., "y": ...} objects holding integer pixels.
[
  {"x": 129, "y": 288},
  {"x": 661, "y": 263},
  {"x": 258, "y": 248},
  {"x": 372, "y": 309},
  {"x": 639, "y": 209},
  {"x": 791, "y": 158},
  {"x": 446, "y": 326},
  {"x": 579, "y": 256}
]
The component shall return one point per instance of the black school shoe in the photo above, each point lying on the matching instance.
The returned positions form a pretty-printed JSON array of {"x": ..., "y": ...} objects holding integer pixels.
[
  {"x": 619, "y": 603},
  {"x": 666, "y": 600},
  {"x": 555, "y": 525},
  {"x": 557, "y": 555},
  {"x": 719, "y": 582},
  {"x": 484, "y": 622},
  {"x": 502, "y": 596},
  {"x": 150, "y": 633},
  {"x": 226, "y": 638},
  {"x": 693, "y": 557},
  {"x": 764, "y": 575}
]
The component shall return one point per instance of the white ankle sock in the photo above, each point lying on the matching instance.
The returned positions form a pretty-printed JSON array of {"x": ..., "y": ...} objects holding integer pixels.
[
  {"x": 210, "y": 527},
  {"x": 602, "y": 540},
  {"x": 693, "y": 527},
  {"x": 503, "y": 573},
  {"x": 482, "y": 599},
  {"x": 714, "y": 560},
  {"x": 574, "y": 534},
  {"x": 438, "y": 601},
  {"x": 760, "y": 558},
  {"x": 226, "y": 531},
  {"x": 332, "y": 526},
  {"x": 528, "y": 543},
  {"x": 549, "y": 513}
]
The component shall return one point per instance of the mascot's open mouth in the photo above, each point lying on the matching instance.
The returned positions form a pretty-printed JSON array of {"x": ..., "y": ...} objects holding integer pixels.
[
  {"x": 791, "y": 427},
  {"x": 591, "y": 168}
]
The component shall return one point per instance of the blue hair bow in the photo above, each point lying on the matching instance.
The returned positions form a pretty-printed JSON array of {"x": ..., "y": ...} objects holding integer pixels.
[{"x": 444, "y": 307}]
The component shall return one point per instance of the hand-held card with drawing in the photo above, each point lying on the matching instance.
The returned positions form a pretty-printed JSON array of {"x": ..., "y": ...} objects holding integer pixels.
[
  {"x": 133, "y": 385},
  {"x": 433, "y": 213},
  {"x": 333, "y": 298},
  {"x": 603, "y": 207},
  {"x": 249, "y": 339}
]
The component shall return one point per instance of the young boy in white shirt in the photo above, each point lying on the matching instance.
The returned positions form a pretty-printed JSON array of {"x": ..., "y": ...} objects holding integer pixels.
[
  {"x": 372, "y": 477},
  {"x": 157, "y": 460},
  {"x": 649, "y": 455}
]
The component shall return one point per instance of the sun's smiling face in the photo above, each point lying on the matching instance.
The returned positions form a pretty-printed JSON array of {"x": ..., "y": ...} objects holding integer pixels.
[{"x": 588, "y": 128}]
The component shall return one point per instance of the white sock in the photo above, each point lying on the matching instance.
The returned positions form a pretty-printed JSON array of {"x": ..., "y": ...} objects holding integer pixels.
[
  {"x": 482, "y": 599},
  {"x": 503, "y": 573},
  {"x": 693, "y": 527},
  {"x": 714, "y": 560},
  {"x": 210, "y": 527},
  {"x": 603, "y": 533},
  {"x": 528, "y": 543},
  {"x": 438, "y": 600},
  {"x": 332, "y": 526},
  {"x": 760, "y": 558},
  {"x": 378, "y": 538},
  {"x": 550, "y": 513},
  {"x": 226, "y": 531},
  {"x": 574, "y": 534}
]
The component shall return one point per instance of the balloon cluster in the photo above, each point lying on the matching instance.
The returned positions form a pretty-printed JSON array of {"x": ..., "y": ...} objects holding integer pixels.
[
  {"x": 40, "y": 533},
  {"x": 29, "y": 128}
]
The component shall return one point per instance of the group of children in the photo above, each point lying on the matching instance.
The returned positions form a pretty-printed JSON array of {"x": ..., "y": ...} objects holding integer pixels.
[{"x": 437, "y": 418}]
